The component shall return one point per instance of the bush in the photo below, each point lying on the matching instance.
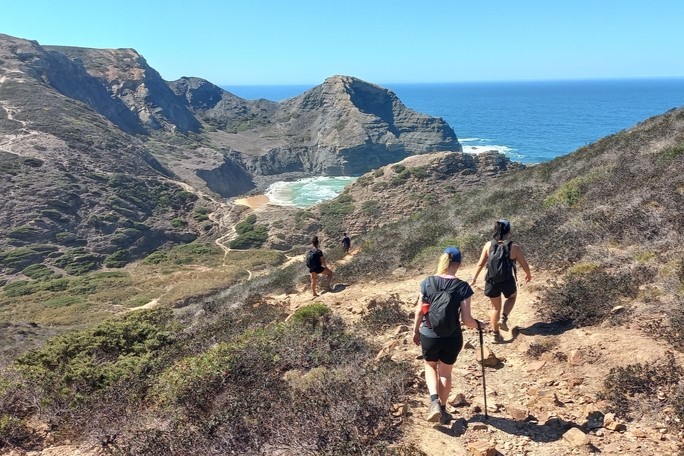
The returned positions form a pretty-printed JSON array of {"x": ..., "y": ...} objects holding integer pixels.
[
  {"x": 638, "y": 386},
  {"x": 314, "y": 365},
  {"x": 250, "y": 235},
  {"x": 39, "y": 272},
  {"x": 77, "y": 364},
  {"x": 21, "y": 288},
  {"x": 118, "y": 259},
  {"x": 385, "y": 314},
  {"x": 539, "y": 348},
  {"x": 587, "y": 298}
]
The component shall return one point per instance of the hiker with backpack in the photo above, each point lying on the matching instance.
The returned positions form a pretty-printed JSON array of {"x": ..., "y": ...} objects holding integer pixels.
[
  {"x": 315, "y": 261},
  {"x": 437, "y": 328},
  {"x": 346, "y": 243},
  {"x": 500, "y": 255}
]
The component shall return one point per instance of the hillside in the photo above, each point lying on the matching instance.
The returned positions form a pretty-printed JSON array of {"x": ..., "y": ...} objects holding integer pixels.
[
  {"x": 595, "y": 364},
  {"x": 97, "y": 153}
]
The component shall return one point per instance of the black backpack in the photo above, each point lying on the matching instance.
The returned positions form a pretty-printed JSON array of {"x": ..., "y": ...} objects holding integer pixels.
[
  {"x": 444, "y": 307},
  {"x": 499, "y": 265},
  {"x": 313, "y": 259}
]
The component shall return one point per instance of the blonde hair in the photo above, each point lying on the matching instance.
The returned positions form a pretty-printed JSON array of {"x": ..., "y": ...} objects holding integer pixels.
[{"x": 443, "y": 265}]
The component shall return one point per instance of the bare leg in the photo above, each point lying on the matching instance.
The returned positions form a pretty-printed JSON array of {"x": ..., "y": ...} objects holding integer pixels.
[
  {"x": 431, "y": 377},
  {"x": 314, "y": 282},
  {"x": 444, "y": 382},
  {"x": 329, "y": 274},
  {"x": 496, "y": 313},
  {"x": 508, "y": 305}
]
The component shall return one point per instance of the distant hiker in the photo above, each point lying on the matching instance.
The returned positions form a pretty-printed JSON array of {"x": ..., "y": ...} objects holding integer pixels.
[
  {"x": 500, "y": 255},
  {"x": 438, "y": 331},
  {"x": 346, "y": 243},
  {"x": 315, "y": 261}
]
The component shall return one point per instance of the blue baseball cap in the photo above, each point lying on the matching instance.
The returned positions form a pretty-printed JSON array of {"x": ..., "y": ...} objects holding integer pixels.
[{"x": 454, "y": 253}]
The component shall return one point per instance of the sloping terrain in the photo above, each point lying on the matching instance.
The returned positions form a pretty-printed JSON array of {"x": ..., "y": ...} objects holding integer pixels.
[
  {"x": 95, "y": 147},
  {"x": 594, "y": 365}
]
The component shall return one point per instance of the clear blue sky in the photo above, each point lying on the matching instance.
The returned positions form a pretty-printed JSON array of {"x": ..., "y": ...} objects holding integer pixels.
[{"x": 385, "y": 41}]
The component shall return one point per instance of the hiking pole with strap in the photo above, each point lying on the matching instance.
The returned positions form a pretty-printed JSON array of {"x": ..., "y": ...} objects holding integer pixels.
[{"x": 484, "y": 382}]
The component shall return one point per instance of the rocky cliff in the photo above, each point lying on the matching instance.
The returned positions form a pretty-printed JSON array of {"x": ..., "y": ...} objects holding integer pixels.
[{"x": 91, "y": 141}]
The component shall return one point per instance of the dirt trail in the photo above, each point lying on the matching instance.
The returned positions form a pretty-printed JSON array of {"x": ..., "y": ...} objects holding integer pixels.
[{"x": 532, "y": 402}]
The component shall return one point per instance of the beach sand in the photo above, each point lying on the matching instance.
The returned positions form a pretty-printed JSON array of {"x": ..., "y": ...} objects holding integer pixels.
[{"x": 253, "y": 202}]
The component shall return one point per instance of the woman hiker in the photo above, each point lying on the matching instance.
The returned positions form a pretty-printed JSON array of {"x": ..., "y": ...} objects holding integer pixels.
[
  {"x": 437, "y": 329},
  {"x": 500, "y": 255},
  {"x": 315, "y": 261}
]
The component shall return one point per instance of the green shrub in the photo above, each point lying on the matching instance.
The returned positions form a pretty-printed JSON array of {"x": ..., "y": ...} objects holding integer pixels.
[
  {"x": 118, "y": 259},
  {"x": 69, "y": 239},
  {"x": 24, "y": 232},
  {"x": 39, "y": 272},
  {"x": 311, "y": 315},
  {"x": 78, "y": 261},
  {"x": 398, "y": 168},
  {"x": 370, "y": 207},
  {"x": 77, "y": 364},
  {"x": 671, "y": 153},
  {"x": 17, "y": 259},
  {"x": 21, "y": 288},
  {"x": 62, "y": 301},
  {"x": 250, "y": 235},
  {"x": 178, "y": 223}
]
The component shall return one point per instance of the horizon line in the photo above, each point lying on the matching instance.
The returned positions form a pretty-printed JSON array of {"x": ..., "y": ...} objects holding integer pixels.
[{"x": 466, "y": 81}]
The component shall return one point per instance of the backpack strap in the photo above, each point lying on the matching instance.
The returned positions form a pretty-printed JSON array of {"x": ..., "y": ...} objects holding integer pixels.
[{"x": 435, "y": 284}]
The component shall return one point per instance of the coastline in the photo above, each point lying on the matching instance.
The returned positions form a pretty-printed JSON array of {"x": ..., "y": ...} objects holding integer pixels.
[{"x": 253, "y": 202}]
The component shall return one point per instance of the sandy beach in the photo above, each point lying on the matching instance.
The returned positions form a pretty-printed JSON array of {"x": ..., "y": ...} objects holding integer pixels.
[{"x": 253, "y": 202}]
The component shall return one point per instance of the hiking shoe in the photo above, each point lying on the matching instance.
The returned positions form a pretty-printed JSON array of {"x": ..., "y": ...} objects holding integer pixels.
[
  {"x": 497, "y": 338},
  {"x": 445, "y": 417},
  {"x": 434, "y": 412},
  {"x": 503, "y": 323}
]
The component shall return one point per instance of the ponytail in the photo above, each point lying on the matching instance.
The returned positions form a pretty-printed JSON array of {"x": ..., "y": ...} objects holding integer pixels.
[{"x": 501, "y": 228}]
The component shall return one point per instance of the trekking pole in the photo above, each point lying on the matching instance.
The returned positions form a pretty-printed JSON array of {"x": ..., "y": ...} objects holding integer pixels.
[{"x": 484, "y": 382}]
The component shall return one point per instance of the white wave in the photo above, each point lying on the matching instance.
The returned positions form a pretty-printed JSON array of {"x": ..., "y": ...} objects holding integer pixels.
[
  {"x": 472, "y": 139},
  {"x": 307, "y": 192},
  {"x": 486, "y": 148}
]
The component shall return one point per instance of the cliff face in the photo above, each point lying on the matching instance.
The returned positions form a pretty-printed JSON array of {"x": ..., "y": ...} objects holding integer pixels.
[
  {"x": 352, "y": 126},
  {"x": 78, "y": 189},
  {"x": 131, "y": 81}
]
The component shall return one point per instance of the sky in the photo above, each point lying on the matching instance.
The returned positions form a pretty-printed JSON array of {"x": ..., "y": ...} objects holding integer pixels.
[{"x": 255, "y": 42}]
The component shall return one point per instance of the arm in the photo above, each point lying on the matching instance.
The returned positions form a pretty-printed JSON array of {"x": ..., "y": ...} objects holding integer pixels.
[
  {"x": 483, "y": 260},
  {"x": 517, "y": 255},
  {"x": 417, "y": 320},
  {"x": 467, "y": 317}
]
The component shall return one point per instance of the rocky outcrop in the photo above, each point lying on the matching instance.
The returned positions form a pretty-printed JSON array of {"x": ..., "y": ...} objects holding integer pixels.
[
  {"x": 353, "y": 126},
  {"x": 228, "y": 179},
  {"x": 129, "y": 79}
]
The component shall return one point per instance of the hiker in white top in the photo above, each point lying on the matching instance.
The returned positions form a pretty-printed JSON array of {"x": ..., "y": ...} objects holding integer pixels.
[
  {"x": 437, "y": 328},
  {"x": 500, "y": 255}
]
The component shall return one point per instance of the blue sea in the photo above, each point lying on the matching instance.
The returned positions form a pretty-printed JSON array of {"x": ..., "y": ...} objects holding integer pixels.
[{"x": 530, "y": 121}]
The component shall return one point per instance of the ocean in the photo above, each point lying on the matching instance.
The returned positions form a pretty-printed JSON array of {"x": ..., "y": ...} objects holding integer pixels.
[{"x": 530, "y": 121}]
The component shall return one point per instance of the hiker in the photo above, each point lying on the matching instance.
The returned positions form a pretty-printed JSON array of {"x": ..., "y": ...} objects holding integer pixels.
[
  {"x": 437, "y": 329},
  {"x": 315, "y": 261},
  {"x": 500, "y": 255},
  {"x": 346, "y": 243}
]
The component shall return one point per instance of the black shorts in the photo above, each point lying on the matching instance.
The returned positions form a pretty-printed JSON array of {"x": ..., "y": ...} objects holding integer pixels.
[
  {"x": 317, "y": 270},
  {"x": 444, "y": 349},
  {"x": 494, "y": 290}
]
